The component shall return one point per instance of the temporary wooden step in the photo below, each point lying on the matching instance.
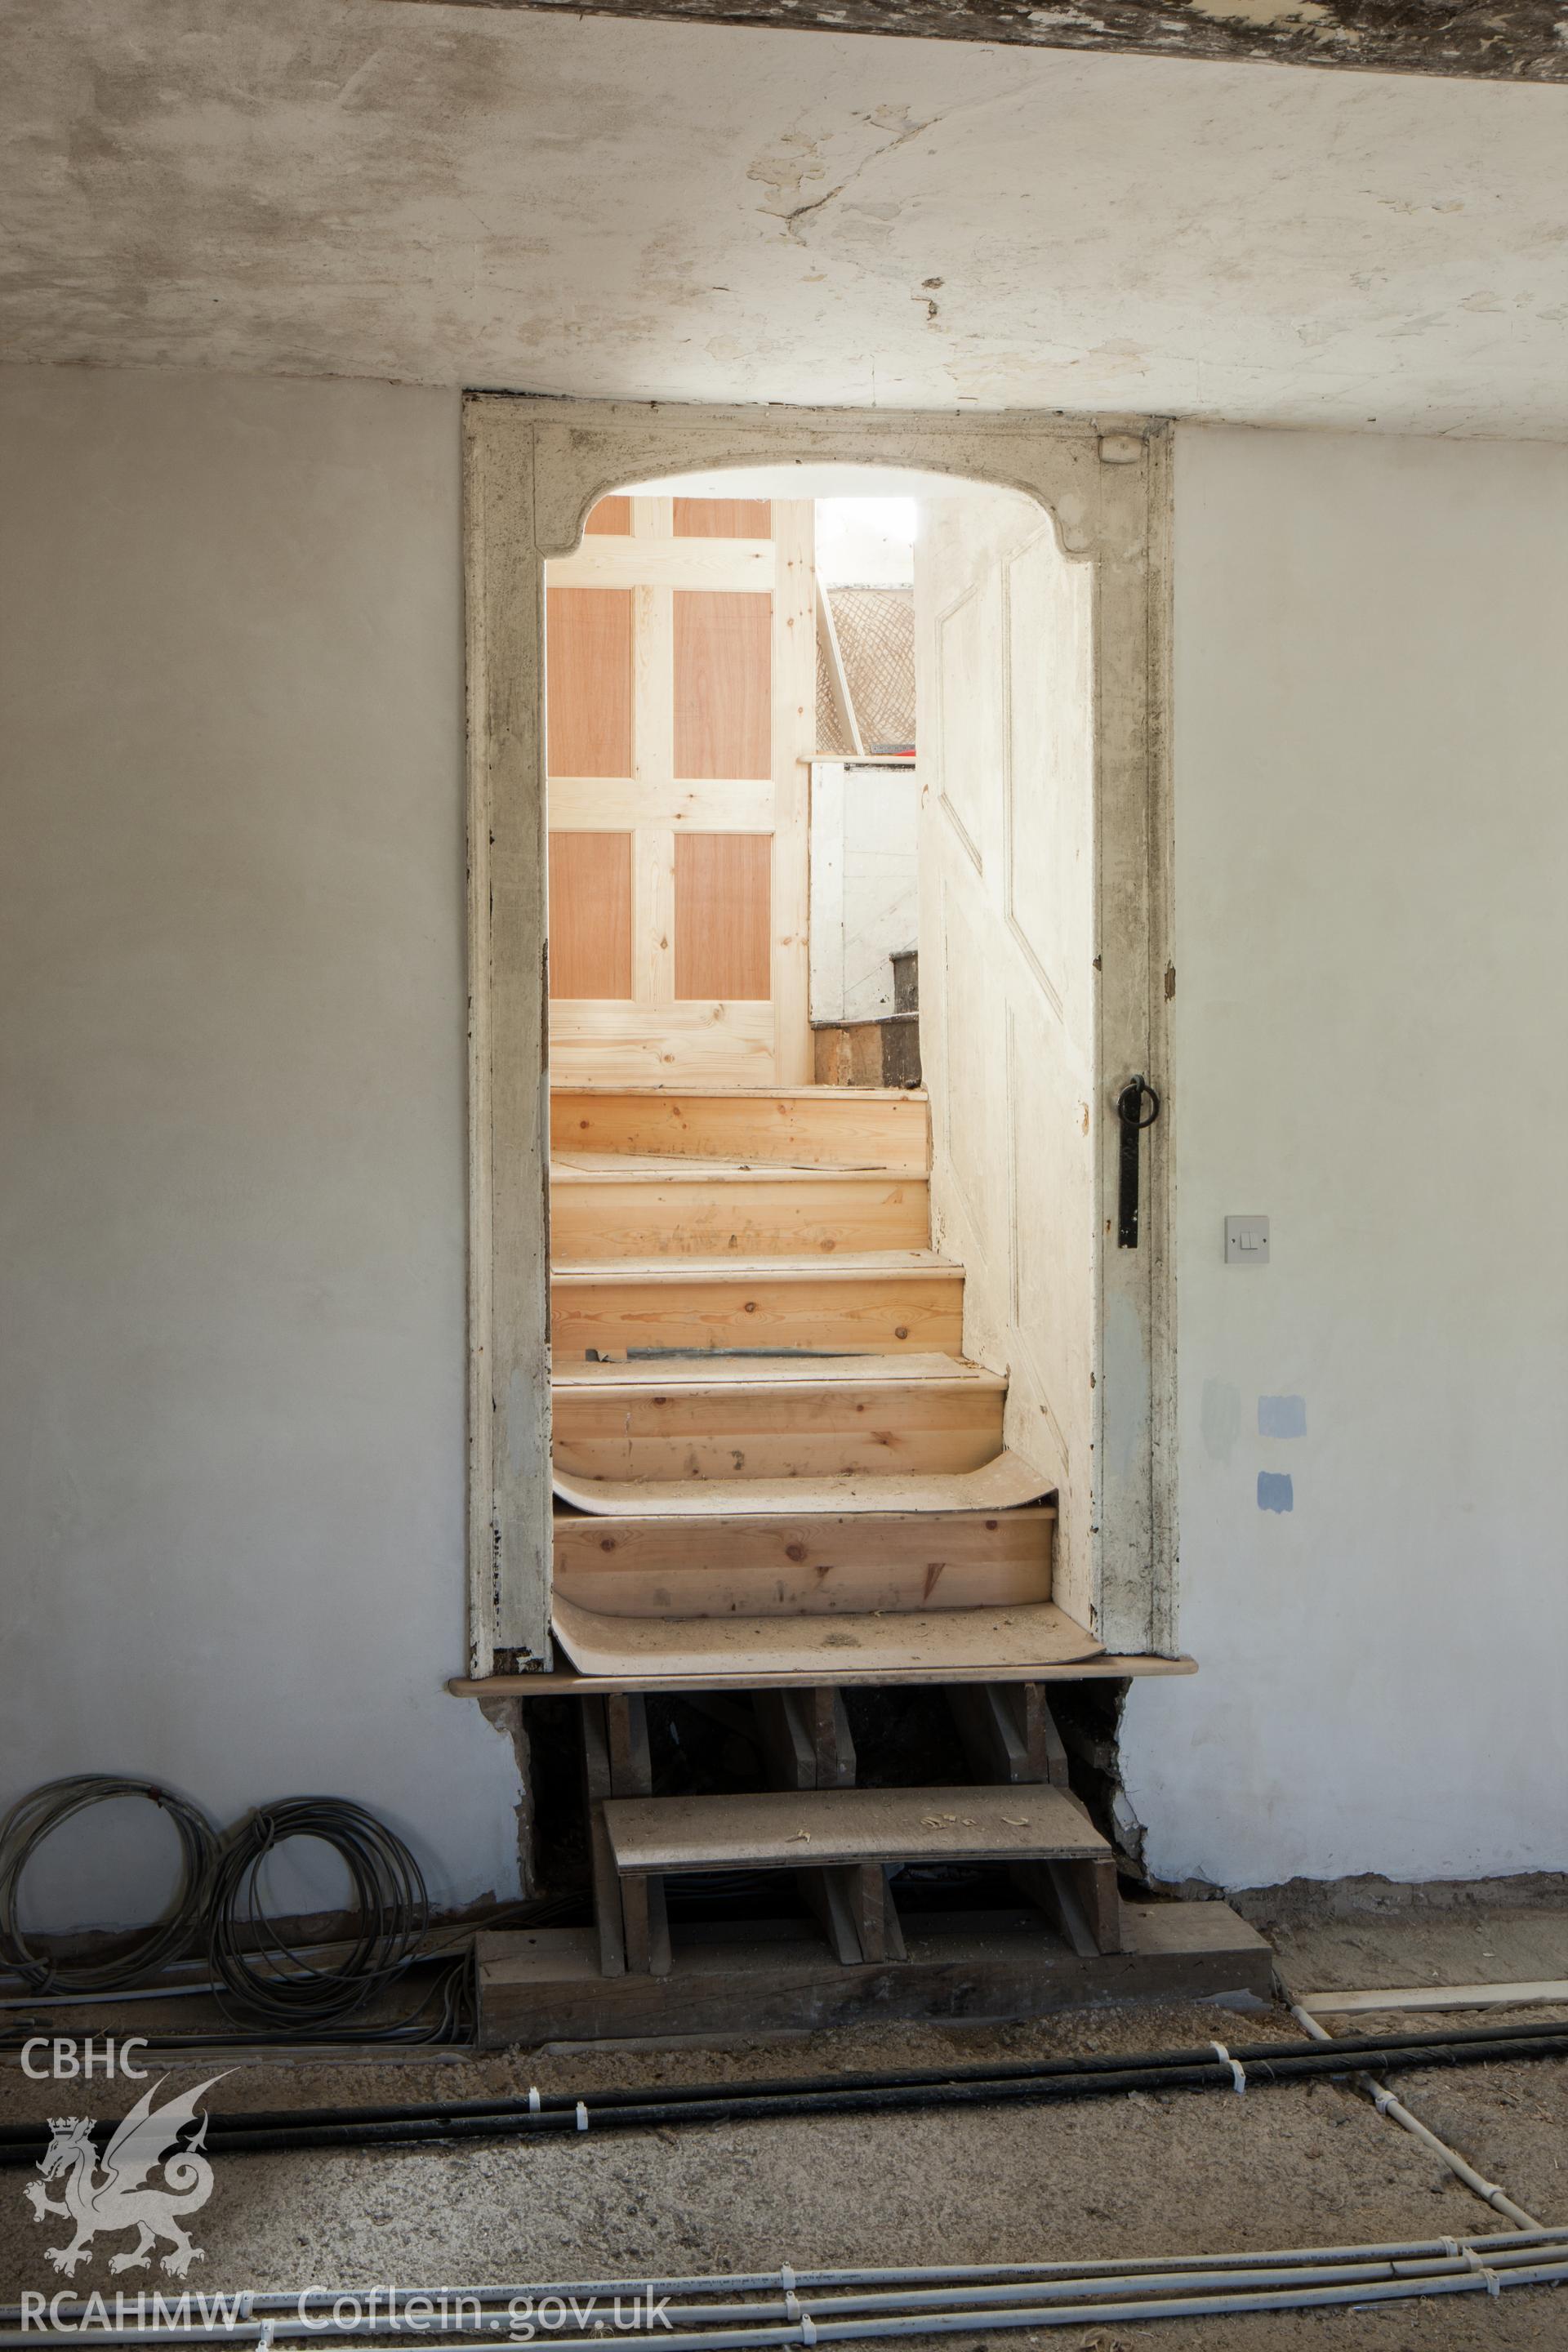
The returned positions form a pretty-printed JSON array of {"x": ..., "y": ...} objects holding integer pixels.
[
  {"x": 854, "y": 1836},
  {"x": 877, "y": 1303},
  {"x": 999, "y": 1485},
  {"x": 804, "y": 1565},
  {"x": 620, "y": 1205},
  {"x": 782, "y": 1828},
  {"x": 778, "y": 1417},
  {"x": 851, "y": 1837},
  {"x": 844, "y": 1126}
]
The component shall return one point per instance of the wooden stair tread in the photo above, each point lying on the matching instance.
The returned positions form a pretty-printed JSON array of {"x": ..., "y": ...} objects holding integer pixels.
[
  {"x": 823, "y": 1828},
  {"x": 571, "y": 1167},
  {"x": 913, "y": 1265},
  {"x": 1001, "y": 1484},
  {"x": 764, "y": 1373},
  {"x": 645, "y": 1090},
  {"x": 932, "y": 1645},
  {"x": 778, "y": 1417}
]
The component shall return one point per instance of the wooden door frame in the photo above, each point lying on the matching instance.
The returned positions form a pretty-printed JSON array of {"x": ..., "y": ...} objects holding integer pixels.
[{"x": 532, "y": 469}]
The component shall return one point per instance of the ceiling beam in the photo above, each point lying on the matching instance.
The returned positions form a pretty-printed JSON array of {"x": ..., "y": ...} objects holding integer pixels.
[{"x": 1507, "y": 40}]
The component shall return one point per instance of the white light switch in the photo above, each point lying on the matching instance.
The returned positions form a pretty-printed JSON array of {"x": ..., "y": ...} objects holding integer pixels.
[{"x": 1246, "y": 1241}]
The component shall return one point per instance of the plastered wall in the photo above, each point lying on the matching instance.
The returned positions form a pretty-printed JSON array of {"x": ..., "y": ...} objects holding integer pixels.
[
  {"x": 232, "y": 1178},
  {"x": 232, "y": 1186},
  {"x": 1371, "y": 839}
]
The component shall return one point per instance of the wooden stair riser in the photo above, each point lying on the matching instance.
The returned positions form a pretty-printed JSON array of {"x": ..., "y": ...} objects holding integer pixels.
[
  {"x": 870, "y": 1313},
  {"x": 815, "y": 1126},
  {"x": 733, "y": 1431},
  {"x": 807, "y": 1567},
  {"x": 749, "y": 1216}
]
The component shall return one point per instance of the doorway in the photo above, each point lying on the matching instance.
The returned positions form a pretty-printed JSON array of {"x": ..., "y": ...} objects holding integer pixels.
[{"x": 1023, "y": 712}]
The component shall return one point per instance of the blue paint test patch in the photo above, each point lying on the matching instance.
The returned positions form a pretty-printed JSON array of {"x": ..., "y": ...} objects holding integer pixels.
[
  {"x": 1282, "y": 1416},
  {"x": 1275, "y": 1492}
]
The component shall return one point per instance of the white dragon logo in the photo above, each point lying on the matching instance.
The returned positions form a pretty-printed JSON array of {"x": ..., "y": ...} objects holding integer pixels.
[{"x": 148, "y": 2138}]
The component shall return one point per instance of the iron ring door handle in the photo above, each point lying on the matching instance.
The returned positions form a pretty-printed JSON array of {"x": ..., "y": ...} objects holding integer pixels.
[{"x": 1129, "y": 1110}]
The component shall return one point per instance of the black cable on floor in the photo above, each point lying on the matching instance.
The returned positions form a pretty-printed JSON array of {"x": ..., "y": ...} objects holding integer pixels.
[
  {"x": 265, "y": 1979},
  {"x": 667, "y": 2106},
  {"x": 35, "y": 1816}
]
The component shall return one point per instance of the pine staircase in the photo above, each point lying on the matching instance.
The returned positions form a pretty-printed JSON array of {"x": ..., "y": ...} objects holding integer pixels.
[{"x": 772, "y": 1460}]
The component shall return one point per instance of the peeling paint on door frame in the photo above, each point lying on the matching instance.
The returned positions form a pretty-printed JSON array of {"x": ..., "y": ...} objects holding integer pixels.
[{"x": 532, "y": 469}]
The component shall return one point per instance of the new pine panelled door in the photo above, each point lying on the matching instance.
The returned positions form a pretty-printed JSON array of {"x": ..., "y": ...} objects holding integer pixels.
[{"x": 680, "y": 712}]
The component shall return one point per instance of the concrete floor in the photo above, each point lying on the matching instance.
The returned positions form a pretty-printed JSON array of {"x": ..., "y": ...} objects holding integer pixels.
[{"x": 1139, "y": 2175}]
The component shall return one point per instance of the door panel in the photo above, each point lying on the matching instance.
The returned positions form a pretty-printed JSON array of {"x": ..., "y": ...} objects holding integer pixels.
[
  {"x": 588, "y": 681},
  {"x": 720, "y": 518},
  {"x": 1007, "y": 901},
  {"x": 591, "y": 914},
  {"x": 680, "y": 668},
  {"x": 722, "y": 893},
  {"x": 723, "y": 685}
]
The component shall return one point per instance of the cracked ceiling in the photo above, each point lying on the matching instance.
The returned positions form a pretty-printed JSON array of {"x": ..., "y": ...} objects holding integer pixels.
[
  {"x": 499, "y": 196},
  {"x": 1505, "y": 40}
]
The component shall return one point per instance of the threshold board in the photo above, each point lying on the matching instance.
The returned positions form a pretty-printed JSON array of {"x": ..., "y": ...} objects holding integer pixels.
[{"x": 543, "y": 1984}]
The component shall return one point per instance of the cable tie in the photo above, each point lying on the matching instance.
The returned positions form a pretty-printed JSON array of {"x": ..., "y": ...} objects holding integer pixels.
[
  {"x": 807, "y": 2329},
  {"x": 786, "y": 2277},
  {"x": 268, "y": 2329},
  {"x": 1453, "y": 2249},
  {"x": 791, "y": 2303},
  {"x": 535, "y": 2102},
  {"x": 1494, "y": 2284},
  {"x": 581, "y": 2117},
  {"x": 1237, "y": 2071}
]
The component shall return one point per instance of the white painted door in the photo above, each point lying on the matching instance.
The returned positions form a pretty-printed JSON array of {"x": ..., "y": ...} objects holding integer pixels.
[{"x": 1005, "y": 637}]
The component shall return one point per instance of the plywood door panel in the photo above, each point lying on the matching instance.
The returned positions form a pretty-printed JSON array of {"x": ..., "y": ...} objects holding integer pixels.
[
  {"x": 588, "y": 681},
  {"x": 591, "y": 914},
  {"x": 612, "y": 515},
  {"x": 723, "y": 684},
  {"x": 722, "y": 915},
  {"x": 681, "y": 682},
  {"x": 721, "y": 518}
]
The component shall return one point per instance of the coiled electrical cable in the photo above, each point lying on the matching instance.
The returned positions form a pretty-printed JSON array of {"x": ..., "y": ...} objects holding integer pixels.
[
  {"x": 45, "y": 1809},
  {"x": 266, "y": 1979}
]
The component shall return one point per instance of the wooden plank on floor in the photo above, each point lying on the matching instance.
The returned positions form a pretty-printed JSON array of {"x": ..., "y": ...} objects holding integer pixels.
[
  {"x": 543, "y": 1985},
  {"x": 1548, "y": 1992},
  {"x": 827, "y": 1827}
]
